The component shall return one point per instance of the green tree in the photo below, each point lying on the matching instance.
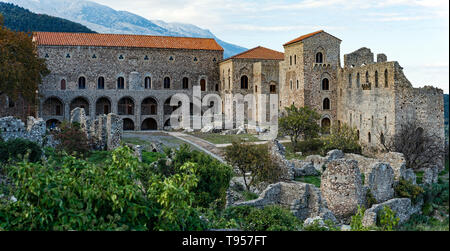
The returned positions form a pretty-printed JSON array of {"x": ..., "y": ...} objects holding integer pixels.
[
  {"x": 344, "y": 138},
  {"x": 21, "y": 71},
  {"x": 299, "y": 122}
]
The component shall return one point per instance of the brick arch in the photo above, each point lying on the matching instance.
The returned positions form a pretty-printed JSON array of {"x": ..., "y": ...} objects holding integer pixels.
[
  {"x": 82, "y": 102},
  {"x": 100, "y": 105},
  {"x": 128, "y": 124},
  {"x": 149, "y": 124},
  {"x": 50, "y": 106},
  {"x": 125, "y": 107},
  {"x": 149, "y": 108}
]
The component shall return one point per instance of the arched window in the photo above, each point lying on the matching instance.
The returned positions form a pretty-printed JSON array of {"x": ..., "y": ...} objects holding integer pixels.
[
  {"x": 166, "y": 83},
  {"x": 203, "y": 85},
  {"x": 326, "y": 104},
  {"x": 382, "y": 139},
  {"x": 325, "y": 84},
  {"x": 319, "y": 58},
  {"x": 350, "y": 80},
  {"x": 369, "y": 137},
  {"x": 101, "y": 83},
  {"x": 298, "y": 86},
  {"x": 292, "y": 85},
  {"x": 358, "y": 80},
  {"x": 386, "y": 79},
  {"x": 367, "y": 77},
  {"x": 186, "y": 83},
  {"x": 376, "y": 78},
  {"x": 82, "y": 83},
  {"x": 120, "y": 83},
  {"x": 357, "y": 134},
  {"x": 326, "y": 125},
  {"x": 244, "y": 82},
  {"x": 273, "y": 89},
  {"x": 126, "y": 106},
  {"x": 148, "y": 83},
  {"x": 295, "y": 59},
  {"x": 290, "y": 60},
  {"x": 63, "y": 84},
  {"x": 217, "y": 88}
]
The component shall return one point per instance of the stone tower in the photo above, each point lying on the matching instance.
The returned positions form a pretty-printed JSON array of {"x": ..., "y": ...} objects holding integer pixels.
[{"x": 308, "y": 75}]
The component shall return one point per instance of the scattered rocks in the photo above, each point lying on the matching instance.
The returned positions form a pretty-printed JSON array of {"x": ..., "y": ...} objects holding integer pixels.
[
  {"x": 277, "y": 152},
  {"x": 302, "y": 168},
  {"x": 303, "y": 200},
  {"x": 409, "y": 175},
  {"x": 381, "y": 182},
  {"x": 402, "y": 206},
  {"x": 342, "y": 188},
  {"x": 334, "y": 155},
  {"x": 318, "y": 162},
  {"x": 315, "y": 220}
]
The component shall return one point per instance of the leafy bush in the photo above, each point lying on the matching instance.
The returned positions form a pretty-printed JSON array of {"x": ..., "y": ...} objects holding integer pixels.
[
  {"x": 343, "y": 138},
  {"x": 213, "y": 176},
  {"x": 78, "y": 195},
  {"x": 296, "y": 122},
  {"x": 310, "y": 146},
  {"x": 387, "y": 219},
  {"x": 17, "y": 149},
  {"x": 72, "y": 139},
  {"x": 406, "y": 189},
  {"x": 256, "y": 160},
  {"x": 270, "y": 218},
  {"x": 356, "y": 222}
]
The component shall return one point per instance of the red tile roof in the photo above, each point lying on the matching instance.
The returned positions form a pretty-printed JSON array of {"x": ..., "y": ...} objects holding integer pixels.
[
  {"x": 259, "y": 53},
  {"x": 118, "y": 40},
  {"x": 303, "y": 37}
]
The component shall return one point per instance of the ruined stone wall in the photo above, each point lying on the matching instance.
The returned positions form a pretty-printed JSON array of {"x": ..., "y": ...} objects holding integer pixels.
[
  {"x": 365, "y": 105},
  {"x": 133, "y": 64},
  {"x": 17, "y": 108}
]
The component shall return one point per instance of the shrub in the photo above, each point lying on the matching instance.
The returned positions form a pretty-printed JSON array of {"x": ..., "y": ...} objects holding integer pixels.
[
  {"x": 270, "y": 218},
  {"x": 356, "y": 222},
  {"x": 343, "y": 138},
  {"x": 387, "y": 219},
  {"x": 256, "y": 160},
  {"x": 310, "y": 146},
  {"x": 370, "y": 199},
  {"x": 17, "y": 149},
  {"x": 406, "y": 189},
  {"x": 72, "y": 139},
  {"x": 78, "y": 195},
  {"x": 151, "y": 157},
  {"x": 213, "y": 176}
]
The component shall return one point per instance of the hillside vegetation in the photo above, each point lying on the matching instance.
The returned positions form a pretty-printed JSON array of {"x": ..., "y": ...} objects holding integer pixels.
[{"x": 20, "y": 19}]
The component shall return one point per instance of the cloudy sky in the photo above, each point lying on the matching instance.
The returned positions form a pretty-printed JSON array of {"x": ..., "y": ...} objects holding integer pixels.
[{"x": 413, "y": 32}]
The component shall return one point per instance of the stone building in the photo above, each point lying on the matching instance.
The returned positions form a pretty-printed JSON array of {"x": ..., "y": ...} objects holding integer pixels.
[
  {"x": 255, "y": 71},
  {"x": 135, "y": 76},
  {"x": 375, "y": 97},
  {"x": 129, "y": 75}
]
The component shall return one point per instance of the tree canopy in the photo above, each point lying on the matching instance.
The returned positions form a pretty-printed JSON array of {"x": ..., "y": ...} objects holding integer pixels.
[
  {"x": 299, "y": 122},
  {"x": 21, "y": 71}
]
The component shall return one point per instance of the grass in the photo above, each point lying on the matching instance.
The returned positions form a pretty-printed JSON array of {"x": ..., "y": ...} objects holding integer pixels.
[
  {"x": 424, "y": 223},
  {"x": 314, "y": 180},
  {"x": 150, "y": 157},
  {"x": 215, "y": 138},
  {"x": 249, "y": 195}
]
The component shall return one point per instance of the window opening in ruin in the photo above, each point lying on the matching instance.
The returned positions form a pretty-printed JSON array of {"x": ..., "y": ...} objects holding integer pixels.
[
  {"x": 319, "y": 58},
  {"x": 148, "y": 83},
  {"x": 325, "y": 84},
  {"x": 63, "y": 84},
  {"x": 82, "y": 83},
  {"x": 326, "y": 104},
  {"x": 101, "y": 83},
  {"x": 244, "y": 82},
  {"x": 203, "y": 85},
  {"x": 166, "y": 83},
  {"x": 120, "y": 83},
  {"x": 186, "y": 83}
]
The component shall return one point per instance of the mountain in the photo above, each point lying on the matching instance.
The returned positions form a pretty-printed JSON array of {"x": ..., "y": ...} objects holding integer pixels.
[
  {"x": 104, "y": 19},
  {"x": 19, "y": 19}
]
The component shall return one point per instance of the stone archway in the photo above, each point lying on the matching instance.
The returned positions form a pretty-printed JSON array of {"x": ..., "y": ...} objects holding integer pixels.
[
  {"x": 128, "y": 124},
  {"x": 102, "y": 106},
  {"x": 126, "y": 106},
  {"x": 149, "y": 106},
  {"x": 81, "y": 103},
  {"x": 326, "y": 125},
  {"x": 149, "y": 125},
  {"x": 53, "y": 107}
]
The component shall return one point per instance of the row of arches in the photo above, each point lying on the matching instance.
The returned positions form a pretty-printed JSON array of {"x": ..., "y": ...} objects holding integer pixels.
[
  {"x": 126, "y": 106},
  {"x": 121, "y": 84},
  {"x": 148, "y": 124}
]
